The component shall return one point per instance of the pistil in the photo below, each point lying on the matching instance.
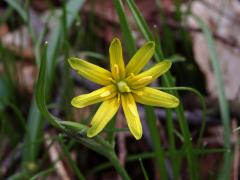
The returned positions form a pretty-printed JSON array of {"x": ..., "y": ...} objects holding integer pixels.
[{"x": 123, "y": 87}]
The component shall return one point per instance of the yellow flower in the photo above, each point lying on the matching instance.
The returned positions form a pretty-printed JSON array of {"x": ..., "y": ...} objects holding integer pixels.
[{"x": 122, "y": 85}]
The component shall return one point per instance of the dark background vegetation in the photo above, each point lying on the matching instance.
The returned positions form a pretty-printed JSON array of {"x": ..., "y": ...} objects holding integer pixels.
[{"x": 31, "y": 148}]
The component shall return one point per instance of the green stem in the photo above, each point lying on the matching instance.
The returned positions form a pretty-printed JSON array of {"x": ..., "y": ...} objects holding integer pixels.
[
  {"x": 120, "y": 169},
  {"x": 151, "y": 122}
]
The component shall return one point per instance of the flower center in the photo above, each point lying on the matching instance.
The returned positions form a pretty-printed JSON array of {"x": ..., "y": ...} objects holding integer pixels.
[{"x": 123, "y": 87}]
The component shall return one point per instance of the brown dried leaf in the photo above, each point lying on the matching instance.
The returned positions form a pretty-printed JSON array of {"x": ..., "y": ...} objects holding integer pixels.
[
  {"x": 19, "y": 42},
  {"x": 225, "y": 23},
  {"x": 26, "y": 75}
]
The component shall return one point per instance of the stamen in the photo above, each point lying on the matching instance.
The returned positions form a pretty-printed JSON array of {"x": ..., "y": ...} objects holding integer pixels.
[
  {"x": 119, "y": 97},
  {"x": 105, "y": 94},
  {"x": 130, "y": 77},
  {"x": 112, "y": 80},
  {"x": 116, "y": 68},
  {"x": 123, "y": 87}
]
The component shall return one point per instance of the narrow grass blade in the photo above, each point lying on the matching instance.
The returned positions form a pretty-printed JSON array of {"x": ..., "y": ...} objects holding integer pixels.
[
  {"x": 151, "y": 121},
  {"x": 71, "y": 162},
  {"x": 203, "y": 104},
  {"x": 35, "y": 123},
  {"x": 143, "y": 169},
  {"x": 93, "y": 55},
  {"x": 127, "y": 34},
  {"x": 43, "y": 173},
  {"x": 17, "y": 6},
  {"x": 111, "y": 133},
  {"x": 17, "y": 111},
  {"x": 140, "y": 20},
  {"x": 40, "y": 93},
  {"x": 55, "y": 40},
  {"x": 149, "y": 155},
  {"x": 224, "y": 108}
]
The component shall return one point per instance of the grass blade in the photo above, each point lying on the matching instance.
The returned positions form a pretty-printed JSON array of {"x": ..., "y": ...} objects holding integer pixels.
[
  {"x": 127, "y": 34},
  {"x": 40, "y": 93},
  {"x": 151, "y": 121},
  {"x": 35, "y": 122},
  {"x": 43, "y": 173},
  {"x": 15, "y": 4},
  {"x": 224, "y": 109},
  {"x": 71, "y": 162},
  {"x": 143, "y": 169},
  {"x": 203, "y": 104}
]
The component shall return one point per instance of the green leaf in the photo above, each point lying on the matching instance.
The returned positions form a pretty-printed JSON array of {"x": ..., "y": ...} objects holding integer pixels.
[
  {"x": 35, "y": 122},
  {"x": 151, "y": 121},
  {"x": 71, "y": 162},
  {"x": 40, "y": 94},
  {"x": 126, "y": 31},
  {"x": 43, "y": 173},
  {"x": 76, "y": 127},
  {"x": 17, "y": 6},
  {"x": 203, "y": 103},
  {"x": 143, "y": 169}
]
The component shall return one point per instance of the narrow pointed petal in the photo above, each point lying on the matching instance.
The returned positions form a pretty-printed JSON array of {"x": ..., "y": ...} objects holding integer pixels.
[
  {"x": 131, "y": 114},
  {"x": 90, "y": 71},
  {"x": 141, "y": 58},
  {"x": 99, "y": 95},
  {"x": 143, "y": 79},
  {"x": 153, "y": 97},
  {"x": 116, "y": 59},
  {"x": 103, "y": 115}
]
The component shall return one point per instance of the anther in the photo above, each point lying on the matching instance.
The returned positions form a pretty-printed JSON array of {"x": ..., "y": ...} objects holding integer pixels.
[
  {"x": 112, "y": 80},
  {"x": 130, "y": 77},
  {"x": 116, "y": 68},
  {"x": 118, "y": 98}
]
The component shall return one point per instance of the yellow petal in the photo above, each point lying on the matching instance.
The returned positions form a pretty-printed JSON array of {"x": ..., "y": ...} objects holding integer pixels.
[
  {"x": 90, "y": 71},
  {"x": 116, "y": 59},
  {"x": 154, "y": 97},
  {"x": 99, "y": 95},
  {"x": 148, "y": 76},
  {"x": 131, "y": 114},
  {"x": 141, "y": 58},
  {"x": 103, "y": 115}
]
